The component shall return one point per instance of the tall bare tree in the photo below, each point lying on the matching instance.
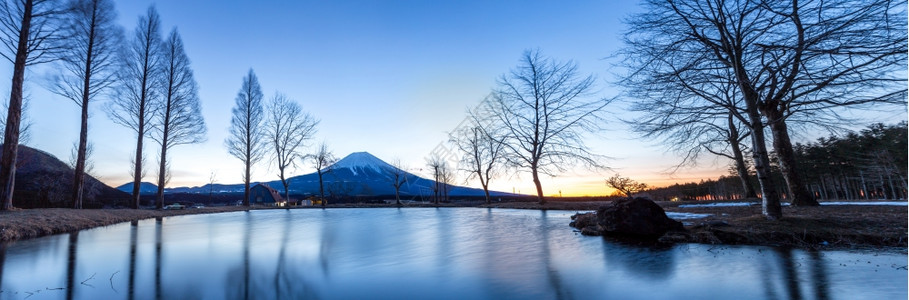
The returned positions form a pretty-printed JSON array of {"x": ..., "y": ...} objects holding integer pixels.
[
  {"x": 481, "y": 150},
  {"x": 137, "y": 93},
  {"x": 437, "y": 165},
  {"x": 287, "y": 129},
  {"x": 807, "y": 59},
  {"x": 545, "y": 107},
  {"x": 398, "y": 178},
  {"x": 246, "y": 141},
  {"x": 92, "y": 38},
  {"x": 180, "y": 114},
  {"x": 29, "y": 29},
  {"x": 322, "y": 161}
]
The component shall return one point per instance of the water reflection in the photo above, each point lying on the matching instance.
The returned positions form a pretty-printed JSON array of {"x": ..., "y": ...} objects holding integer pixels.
[
  {"x": 71, "y": 265},
  {"x": 649, "y": 262},
  {"x": 133, "y": 238},
  {"x": 438, "y": 253}
]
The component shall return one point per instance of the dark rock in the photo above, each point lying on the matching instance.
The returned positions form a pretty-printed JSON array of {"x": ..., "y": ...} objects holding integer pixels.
[
  {"x": 638, "y": 217},
  {"x": 587, "y": 223},
  {"x": 591, "y": 231}
]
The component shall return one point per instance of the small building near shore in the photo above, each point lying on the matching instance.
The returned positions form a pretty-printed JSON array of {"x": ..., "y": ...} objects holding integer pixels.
[{"x": 261, "y": 194}]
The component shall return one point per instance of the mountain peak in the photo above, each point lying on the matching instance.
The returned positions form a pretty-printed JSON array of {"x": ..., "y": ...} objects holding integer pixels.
[{"x": 362, "y": 160}]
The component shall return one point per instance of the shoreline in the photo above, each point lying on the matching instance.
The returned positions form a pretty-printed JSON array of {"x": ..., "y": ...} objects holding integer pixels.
[{"x": 852, "y": 227}]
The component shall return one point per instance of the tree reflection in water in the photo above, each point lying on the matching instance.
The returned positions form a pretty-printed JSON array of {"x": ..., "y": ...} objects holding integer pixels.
[
  {"x": 133, "y": 240},
  {"x": 71, "y": 265}
]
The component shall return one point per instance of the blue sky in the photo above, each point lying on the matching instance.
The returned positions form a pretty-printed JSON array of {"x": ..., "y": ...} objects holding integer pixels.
[{"x": 387, "y": 77}]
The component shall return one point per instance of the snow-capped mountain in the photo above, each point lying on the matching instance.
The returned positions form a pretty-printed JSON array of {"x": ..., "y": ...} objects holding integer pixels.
[
  {"x": 358, "y": 174},
  {"x": 363, "y": 162}
]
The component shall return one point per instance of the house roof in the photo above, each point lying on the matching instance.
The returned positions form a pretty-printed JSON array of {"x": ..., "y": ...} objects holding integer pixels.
[{"x": 274, "y": 193}]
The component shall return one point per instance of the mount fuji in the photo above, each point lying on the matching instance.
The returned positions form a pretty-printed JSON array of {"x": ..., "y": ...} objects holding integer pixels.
[{"x": 359, "y": 174}]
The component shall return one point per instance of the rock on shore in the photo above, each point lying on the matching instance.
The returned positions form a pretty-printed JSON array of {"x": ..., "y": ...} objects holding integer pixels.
[{"x": 636, "y": 218}]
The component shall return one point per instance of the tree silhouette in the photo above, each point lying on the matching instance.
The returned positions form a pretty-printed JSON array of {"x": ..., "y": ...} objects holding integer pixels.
[
  {"x": 30, "y": 31},
  {"x": 137, "y": 95},
  {"x": 92, "y": 38},
  {"x": 543, "y": 109},
  {"x": 287, "y": 129},
  {"x": 322, "y": 161},
  {"x": 180, "y": 114},
  {"x": 246, "y": 134}
]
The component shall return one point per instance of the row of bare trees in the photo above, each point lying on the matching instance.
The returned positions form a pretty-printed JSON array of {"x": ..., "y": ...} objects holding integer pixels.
[
  {"x": 706, "y": 74},
  {"x": 156, "y": 96},
  {"x": 148, "y": 79},
  {"x": 281, "y": 126}
]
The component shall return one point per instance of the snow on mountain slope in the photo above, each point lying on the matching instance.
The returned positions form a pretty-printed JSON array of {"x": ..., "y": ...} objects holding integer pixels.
[{"x": 362, "y": 161}]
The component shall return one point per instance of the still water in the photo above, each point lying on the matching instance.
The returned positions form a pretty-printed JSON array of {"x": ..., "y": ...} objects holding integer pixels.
[{"x": 418, "y": 253}]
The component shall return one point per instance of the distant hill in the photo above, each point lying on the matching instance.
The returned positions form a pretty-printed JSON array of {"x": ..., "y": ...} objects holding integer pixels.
[
  {"x": 359, "y": 174},
  {"x": 144, "y": 188},
  {"x": 42, "y": 180}
]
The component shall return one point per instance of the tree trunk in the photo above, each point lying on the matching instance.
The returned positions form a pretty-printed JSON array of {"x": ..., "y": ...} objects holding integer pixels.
[
  {"x": 536, "y": 182},
  {"x": 246, "y": 186},
  {"x": 14, "y": 115},
  {"x": 770, "y": 204},
  {"x": 321, "y": 189},
  {"x": 485, "y": 189},
  {"x": 286, "y": 190},
  {"x": 162, "y": 169},
  {"x": 739, "y": 158},
  {"x": 742, "y": 170},
  {"x": 798, "y": 195},
  {"x": 137, "y": 172},
  {"x": 79, "y": 176}
]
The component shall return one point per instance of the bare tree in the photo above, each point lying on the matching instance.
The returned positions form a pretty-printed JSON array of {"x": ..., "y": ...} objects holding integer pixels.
[
  {"x": 180, "y": 114},
  {"x": 446, "y": 179},
  {"x": 246, "y": 134},
  {"x": 88, "y": 60},
  {"x": 136, "y": 95},
  {"x": 481, "y": 150},
  {"x": 625, "y": 185},
  {"x": 322, "y": 161},
  {"x": 287, "y": 129},
  {"x": 690, "y": 116},
  {"x": 544, "y": 110},
  {"x": 436, "y": 165},
  {"x": 29, "y": 30},
  {"x": 807, "y": 59},
  {"x": 398, "y": 178}
]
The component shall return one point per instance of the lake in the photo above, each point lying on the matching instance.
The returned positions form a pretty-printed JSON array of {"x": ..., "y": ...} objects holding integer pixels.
[{"x": 419, "y": 253}]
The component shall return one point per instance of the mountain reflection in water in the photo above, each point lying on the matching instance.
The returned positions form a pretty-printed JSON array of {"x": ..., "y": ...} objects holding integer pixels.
[{"x": 437, "y": 253}]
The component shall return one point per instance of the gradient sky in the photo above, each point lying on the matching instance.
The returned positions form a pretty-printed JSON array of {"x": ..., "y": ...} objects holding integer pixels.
[{"x": 388, "y": 77}]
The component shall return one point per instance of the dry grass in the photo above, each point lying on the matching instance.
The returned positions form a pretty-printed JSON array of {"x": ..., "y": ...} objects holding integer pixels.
[{"x": 29, "y": 223}]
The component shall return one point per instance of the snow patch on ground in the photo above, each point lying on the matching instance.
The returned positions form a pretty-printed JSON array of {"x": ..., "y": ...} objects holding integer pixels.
[
  {"x": 893, "y": 203},
  {"x": 730, "y": 204},
  {"x": 718, "y": 204},
  {"x": 685, "y": 216}
]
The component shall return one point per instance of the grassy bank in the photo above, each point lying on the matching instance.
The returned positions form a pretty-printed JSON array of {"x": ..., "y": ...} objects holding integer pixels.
[{"x": 20, "y": 224}]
